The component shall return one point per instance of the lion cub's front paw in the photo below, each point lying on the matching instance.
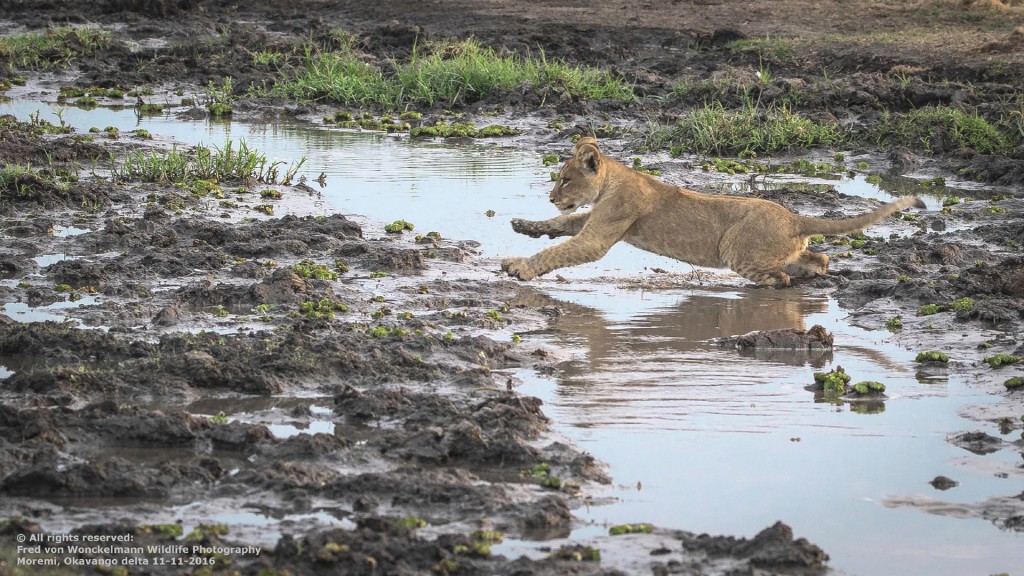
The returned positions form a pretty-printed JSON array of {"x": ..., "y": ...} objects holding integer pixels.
[
  {"x": 527, "y": 227},
  {"x": 518, "y": 268}
]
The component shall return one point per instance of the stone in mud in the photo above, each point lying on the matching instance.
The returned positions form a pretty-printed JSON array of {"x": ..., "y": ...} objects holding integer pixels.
[
  {"x": 943, "y": 483},
  {"x": 977, "y": 442},
  {"x": 1001, "y": 170},
  {"x": 816, "y": 338},
  {"x": 111, "y": 477},
  {"x": 169, "y": 315},
  {"x": 310, "y": 446},
  {"x": 792, "y": 346},
  {"x": 79, "y": 273},
  {"x": 771, "y": 549},
  {"x": 550, "y": 516},
  {"x": 902, "y": 160}
]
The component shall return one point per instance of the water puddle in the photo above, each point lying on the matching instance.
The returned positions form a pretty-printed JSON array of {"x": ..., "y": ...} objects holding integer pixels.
[
  {"x": 702, "y": 435},
  {"x": 47, "y": 259},
  {"x": 284, "y": 417},
  {"x": 883, "y": 188},
  {"x": 262, "y": 527},
  {"x": 68, "y": 231},
  {"x": 22, "y": 312},
  {"x": 697, "y": 437}
]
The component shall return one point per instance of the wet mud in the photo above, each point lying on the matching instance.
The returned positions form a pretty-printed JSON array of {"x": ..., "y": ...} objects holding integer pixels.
[{"x": 197, "y": 361}]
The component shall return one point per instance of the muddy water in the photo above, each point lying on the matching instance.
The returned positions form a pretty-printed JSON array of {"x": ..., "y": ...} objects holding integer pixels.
[
  {"x": 701, "y": 436},
  {"x": 697, "y": 437}
]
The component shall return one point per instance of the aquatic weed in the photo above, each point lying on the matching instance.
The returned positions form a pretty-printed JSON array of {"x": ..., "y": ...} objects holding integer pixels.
[
  {"x": 398, "y": 226},
  {"x": 867, "y": 387},
  {"x": 1015, "y": 383},
  {"x": 963, "y": 304},
  {"x": 205, "y": 530},
  {"x": 411, "y": 522},
  {"x": 621, "y": 529},
  {"x": 442, "y": 129},
  {"x": 576, "y": 553},
  {"x": 834, "y": 381},
  {"x": 552, "y": 482},
  {"x": 307, "y": 268},
  {"x": 171, "y": 530},
  {"x": 218, "y": 98},
  {"x": 639, "y": 167},
  {"x": 323, "y": 309},
  {"x": 931, "y": 356},
  {"x": 998, "y": 360}
]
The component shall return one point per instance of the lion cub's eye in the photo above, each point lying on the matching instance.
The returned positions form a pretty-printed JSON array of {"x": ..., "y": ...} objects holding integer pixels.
[{"x": 565, "y": 180}]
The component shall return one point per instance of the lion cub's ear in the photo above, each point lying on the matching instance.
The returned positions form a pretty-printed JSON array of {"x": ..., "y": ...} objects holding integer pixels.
[
  {"x": 588, "y": 153},
  {"x": 585, "y": 141}
]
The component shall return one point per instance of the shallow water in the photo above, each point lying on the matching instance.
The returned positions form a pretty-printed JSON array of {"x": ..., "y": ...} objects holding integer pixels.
[
  {"x": 22, "y": 312},
  {"x": 696, "y": 437},
  {"x": 704, "y": 439}
]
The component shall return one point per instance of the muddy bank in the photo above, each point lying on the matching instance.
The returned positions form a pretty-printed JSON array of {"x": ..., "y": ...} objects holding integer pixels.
[{"x": 289, "y": 368}]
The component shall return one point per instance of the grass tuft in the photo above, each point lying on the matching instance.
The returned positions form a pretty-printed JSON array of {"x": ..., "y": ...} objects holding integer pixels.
[
  {"x": 449, "y": 73},
  {"x": 715, "y": 130},
  {"x": 218, "y": 164},
  {"x": 943, "y": 129},
  {"x": 56, "y": 47}
]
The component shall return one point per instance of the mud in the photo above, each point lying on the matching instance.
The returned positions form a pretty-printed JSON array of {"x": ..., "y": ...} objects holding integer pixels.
[{"x": 139, "y": 399}]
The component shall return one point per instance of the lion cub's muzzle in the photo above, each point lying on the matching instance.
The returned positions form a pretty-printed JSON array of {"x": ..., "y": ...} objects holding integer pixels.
[{"x": 565, "y": 207}]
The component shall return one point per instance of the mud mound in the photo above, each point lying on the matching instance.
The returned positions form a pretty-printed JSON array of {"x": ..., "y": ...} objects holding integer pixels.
[{"x": 771, "y": 549}]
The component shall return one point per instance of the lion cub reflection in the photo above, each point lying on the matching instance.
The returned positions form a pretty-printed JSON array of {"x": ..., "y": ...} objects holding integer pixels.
[{"x": 760, "y": 240}]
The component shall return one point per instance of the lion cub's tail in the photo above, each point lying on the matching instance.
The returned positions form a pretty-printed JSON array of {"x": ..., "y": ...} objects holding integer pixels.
[{"x": 812, "y": 226}]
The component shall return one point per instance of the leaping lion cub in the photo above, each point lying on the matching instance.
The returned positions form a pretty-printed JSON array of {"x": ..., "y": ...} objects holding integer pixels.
[{"x": 760, "y": 240}]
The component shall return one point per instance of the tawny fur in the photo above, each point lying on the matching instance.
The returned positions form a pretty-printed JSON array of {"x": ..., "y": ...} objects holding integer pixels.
[{"x": 760, "y": 240}]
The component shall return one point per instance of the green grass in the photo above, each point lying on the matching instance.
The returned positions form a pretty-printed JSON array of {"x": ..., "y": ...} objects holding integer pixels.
[
  {"x": 219, "y": 164},
  {"x": 56, "y": 47},
  {"x": 714, "y": 130},
  {"x": 22, "y": 182},
  {"x": 453, "y": 73},
  {"x": 944, "y": 129}
]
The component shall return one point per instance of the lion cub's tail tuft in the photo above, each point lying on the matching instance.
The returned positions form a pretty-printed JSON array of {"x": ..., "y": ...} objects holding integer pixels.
[{"x": 812, "y": 226}]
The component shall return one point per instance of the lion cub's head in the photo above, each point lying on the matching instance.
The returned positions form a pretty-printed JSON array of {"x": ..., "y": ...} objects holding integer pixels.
[{"x": 579, "y": 182}]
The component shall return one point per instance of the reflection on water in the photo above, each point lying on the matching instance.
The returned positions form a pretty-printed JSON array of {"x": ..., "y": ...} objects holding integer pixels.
[
  {"x": 726, "y": 443},
  {"x": 22, "y": 312},
  {"x": 283, "y": 416},
  {"x": 885, "y": 188},
  {"x": 718, "y": 442}
]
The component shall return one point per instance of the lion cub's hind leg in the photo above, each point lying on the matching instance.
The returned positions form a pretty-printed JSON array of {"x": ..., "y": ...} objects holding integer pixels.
[
  {"x": 758, "y": 259},
  {"x": 772, "y": 277},
  {"x": 806, "y": 264}
]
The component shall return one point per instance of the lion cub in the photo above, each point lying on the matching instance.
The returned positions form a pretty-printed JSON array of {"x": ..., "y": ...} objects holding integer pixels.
[{"x": 760, "y": 240}]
